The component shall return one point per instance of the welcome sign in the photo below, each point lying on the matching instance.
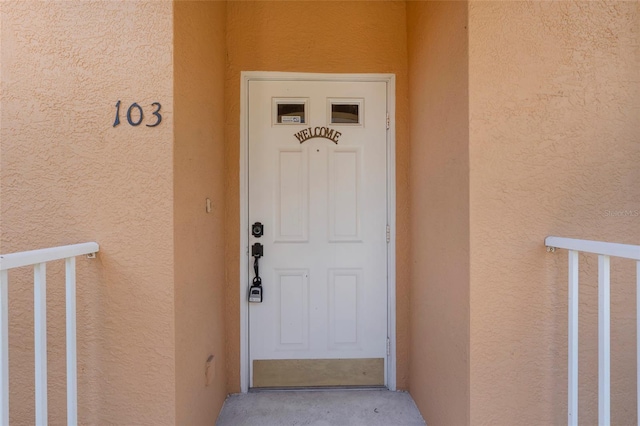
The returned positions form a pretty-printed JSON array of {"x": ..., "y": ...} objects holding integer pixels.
[{"x": 318, "y": 132}]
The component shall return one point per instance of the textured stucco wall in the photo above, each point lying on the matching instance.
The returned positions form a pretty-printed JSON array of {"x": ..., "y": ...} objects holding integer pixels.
[
  {"x": 554, "y": 116},
  {"x": 314, "y": 36},
  {"x": 199, "y": 60},
  {"x": 439, "y": 193},
  {"x": 68, "y": 176},
  {"x": 554, "y": 144}
]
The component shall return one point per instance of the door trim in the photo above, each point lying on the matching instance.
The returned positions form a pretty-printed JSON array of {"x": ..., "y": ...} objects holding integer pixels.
[{"x": 245, "y": 78}]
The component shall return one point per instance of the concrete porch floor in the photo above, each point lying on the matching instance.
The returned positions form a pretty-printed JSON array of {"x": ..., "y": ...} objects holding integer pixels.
[{"x": 320, "y": 408}]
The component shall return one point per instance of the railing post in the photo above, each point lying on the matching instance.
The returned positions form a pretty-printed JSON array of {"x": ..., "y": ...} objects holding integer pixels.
[
  {"x": 72, "y": 379},
  {"x": 40, "y": 336},
  {"x": 604, "y": 341},
  {"x": 604, "y": 250},
  {"x": 572, "y": 406},
  {"x": 4, "y": 348},
  {"x": 38, "y": 259}
]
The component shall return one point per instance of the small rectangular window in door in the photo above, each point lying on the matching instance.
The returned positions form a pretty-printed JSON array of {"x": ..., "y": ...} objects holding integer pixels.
[
  {"x": 290, "y": 111},
  {"x": 346, "y": 111}
]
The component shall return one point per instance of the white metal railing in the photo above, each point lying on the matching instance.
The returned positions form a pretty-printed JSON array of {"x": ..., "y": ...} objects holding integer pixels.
[
  {"x": 604, "y": 251},
  {"x": 38, "y": 259}
]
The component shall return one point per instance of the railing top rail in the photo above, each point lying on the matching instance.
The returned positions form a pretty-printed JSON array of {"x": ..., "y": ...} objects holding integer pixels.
[
  {"x": 32, "y": 257},
  {"x": 627, "y": 251}
]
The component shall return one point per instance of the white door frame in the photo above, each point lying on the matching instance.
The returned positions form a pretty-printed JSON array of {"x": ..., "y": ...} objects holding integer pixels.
[{"x": 390, "y": 80}]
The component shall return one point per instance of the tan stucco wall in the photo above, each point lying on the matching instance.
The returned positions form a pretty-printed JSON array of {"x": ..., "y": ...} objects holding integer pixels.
[
  {"x": 538, "y": 136},
  {"x": 554, "y": 106},
  {"x": 68, "y": 176},
  {"x": 331, "y": 37},
  {"x": 439, "y": 193},
  {"x": 199, "y": 60}
]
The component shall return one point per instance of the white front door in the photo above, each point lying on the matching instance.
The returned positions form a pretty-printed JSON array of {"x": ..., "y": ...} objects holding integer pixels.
[{"x": 318, "y": 185}]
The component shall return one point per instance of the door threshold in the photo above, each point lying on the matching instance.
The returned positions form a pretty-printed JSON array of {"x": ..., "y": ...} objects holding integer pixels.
[{"x": 318, "y": 389}]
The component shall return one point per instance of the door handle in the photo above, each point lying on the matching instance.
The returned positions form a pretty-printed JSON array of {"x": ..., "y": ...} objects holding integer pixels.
[
  {"x": 255, "y": 291},
  {"x": 257, "y": 251}
]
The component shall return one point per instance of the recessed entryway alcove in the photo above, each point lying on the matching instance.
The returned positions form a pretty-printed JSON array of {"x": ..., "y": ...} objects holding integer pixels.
[{"x": 346, "y": 38}]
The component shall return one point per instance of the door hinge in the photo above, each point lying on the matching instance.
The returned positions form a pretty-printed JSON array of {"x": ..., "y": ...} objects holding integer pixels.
[
  {"x": 388, "y": 234},
  {"x": 388, "y": 121},
  {"x": 388, "y": 346}
]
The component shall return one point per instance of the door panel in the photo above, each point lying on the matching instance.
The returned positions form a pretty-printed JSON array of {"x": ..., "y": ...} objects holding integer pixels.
[
  {"x": 292, "y": 208},
  {"x": 292, "y": 287},
  {"x": 319, "y": 188},
  {"x": 345, "y": 203}
]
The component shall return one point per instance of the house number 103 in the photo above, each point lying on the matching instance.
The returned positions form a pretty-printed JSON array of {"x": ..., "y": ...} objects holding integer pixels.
[{"x": 138, "y": 115}]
